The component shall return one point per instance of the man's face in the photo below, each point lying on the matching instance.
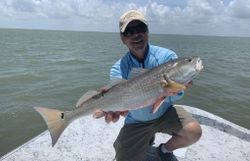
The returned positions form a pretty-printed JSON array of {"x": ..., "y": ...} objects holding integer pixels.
[{"x": 136, "y": 37}]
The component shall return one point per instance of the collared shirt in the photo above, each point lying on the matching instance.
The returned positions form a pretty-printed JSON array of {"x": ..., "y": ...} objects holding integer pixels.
[{"x": 154, "y": 56}]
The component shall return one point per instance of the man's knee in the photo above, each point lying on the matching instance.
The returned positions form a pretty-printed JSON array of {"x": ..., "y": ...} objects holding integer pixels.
[{"x": 191, "y": 131}]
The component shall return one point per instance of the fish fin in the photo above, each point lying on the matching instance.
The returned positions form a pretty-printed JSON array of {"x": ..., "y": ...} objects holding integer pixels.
[
  {"x": 176, "y": 86},
  {"x": 113, "y": 82},
  {"x": 168, "y": 83},
  {"x": 97, "y": 94},
  {"x": 135, "y": 72},
  {"x": 55, "y": 120},
  {"x": 85, "y": 97},
  {"x": 158, "y": 103}
]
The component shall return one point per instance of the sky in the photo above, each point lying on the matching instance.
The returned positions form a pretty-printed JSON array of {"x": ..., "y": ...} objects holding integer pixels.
[{"x": 189, "y": 17}]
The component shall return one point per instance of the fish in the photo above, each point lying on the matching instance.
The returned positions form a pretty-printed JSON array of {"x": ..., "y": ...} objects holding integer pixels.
[{"x": 143, "y": 88}]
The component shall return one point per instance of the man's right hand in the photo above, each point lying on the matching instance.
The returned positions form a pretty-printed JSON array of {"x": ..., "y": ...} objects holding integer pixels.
[{"x": 110, "y": 116}]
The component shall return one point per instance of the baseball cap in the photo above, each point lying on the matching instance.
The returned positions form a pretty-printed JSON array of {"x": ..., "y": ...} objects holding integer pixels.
[{"x": 129, "y": 16}]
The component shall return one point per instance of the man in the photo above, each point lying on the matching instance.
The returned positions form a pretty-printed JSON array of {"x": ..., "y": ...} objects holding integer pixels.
[{"x": 141, "y": 125}]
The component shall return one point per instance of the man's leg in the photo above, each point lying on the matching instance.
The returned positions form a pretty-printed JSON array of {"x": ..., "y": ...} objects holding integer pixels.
[
  {"x": 183, "y": 128},
  {"x": 132, "y": 142},
  {"x": 188, "y": 135}
]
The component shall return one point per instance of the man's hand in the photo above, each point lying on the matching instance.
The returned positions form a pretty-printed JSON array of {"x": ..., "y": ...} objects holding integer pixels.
[{"x": 110, "y": 116}]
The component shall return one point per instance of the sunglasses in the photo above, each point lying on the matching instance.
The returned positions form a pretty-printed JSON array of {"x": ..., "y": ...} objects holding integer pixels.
[{"x": 141, "y": 28}]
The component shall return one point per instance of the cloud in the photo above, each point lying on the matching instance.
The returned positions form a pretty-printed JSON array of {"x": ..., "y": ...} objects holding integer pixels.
[
  {"x": 239, "y": 9},
  {"x": 202, "y": 11},
  {"x": 57, "y": 14},
  {"x": 184, "y": 17},
  {"x": 57, "y": 9},
  {"x": 205, "y": 17}
]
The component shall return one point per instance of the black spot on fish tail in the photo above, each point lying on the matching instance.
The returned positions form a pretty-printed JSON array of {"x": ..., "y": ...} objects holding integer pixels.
[{"x": 62, "y": 115}]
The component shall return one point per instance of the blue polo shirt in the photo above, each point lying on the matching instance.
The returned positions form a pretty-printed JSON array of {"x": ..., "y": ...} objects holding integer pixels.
[{"x": 155, "y": 56}]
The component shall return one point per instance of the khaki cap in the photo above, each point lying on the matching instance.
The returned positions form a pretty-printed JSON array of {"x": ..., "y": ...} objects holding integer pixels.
[{"x": 129, "y": 16}]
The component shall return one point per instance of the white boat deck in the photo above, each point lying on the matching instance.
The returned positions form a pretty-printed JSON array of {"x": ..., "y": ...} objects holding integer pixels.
[{"x": 88, "y": 139}]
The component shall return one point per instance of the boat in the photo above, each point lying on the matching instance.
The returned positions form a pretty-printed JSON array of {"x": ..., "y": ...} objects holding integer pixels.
[{"x": 88, "y": 139}]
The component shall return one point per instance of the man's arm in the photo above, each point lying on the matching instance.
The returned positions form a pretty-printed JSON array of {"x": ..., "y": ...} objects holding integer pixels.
[{"x": 115, "y": 71}]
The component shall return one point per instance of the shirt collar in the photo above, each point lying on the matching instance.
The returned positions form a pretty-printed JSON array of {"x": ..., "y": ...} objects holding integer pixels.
[{"x": 145, "y": 56}]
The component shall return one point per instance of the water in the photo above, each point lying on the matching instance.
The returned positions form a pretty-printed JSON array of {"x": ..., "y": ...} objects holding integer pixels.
[{"x": 54, "y": 68}]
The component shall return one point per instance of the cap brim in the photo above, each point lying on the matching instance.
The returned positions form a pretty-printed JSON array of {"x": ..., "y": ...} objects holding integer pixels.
[{"x": 123, "y": 28}]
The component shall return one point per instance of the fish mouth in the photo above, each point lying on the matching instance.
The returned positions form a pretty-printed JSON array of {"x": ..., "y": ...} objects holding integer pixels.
[{"x": 199, "y": 66}]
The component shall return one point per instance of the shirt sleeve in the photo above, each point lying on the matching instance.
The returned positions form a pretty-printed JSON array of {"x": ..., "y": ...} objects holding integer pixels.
[
  {"x": 171, "y": 55},
  {"x": 115, "y": 71}
]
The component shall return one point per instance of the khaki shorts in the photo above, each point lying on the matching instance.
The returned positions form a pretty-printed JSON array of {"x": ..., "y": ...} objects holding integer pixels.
[{"x": 133, "y": 139}]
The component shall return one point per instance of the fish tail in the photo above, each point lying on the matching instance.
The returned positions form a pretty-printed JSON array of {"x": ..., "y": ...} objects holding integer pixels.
[{"x": 55, "y": 120}]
